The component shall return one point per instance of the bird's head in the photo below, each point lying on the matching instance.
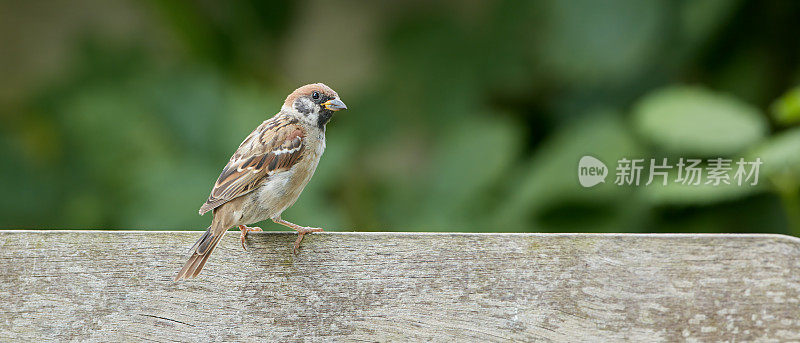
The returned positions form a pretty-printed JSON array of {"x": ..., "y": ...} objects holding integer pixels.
[{"x": 314, "y": 104}]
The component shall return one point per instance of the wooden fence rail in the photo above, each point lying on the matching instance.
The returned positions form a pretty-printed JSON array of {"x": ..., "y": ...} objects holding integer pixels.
[{"x": 117, "y": 286}]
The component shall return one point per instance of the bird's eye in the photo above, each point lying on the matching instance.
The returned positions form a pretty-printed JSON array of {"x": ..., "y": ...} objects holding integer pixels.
[{"x": 315, "y": 95}]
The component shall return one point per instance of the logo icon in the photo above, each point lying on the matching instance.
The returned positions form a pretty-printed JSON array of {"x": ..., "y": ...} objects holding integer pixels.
[{"x": 591, "y": 171}]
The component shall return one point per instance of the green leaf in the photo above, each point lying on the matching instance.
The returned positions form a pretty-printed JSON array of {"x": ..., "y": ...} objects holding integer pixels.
[
  {"x": 786, "y": 110},
  {"x": 677, "y": 193},
  {"x": 781, "y": 157},
  {"x": 696, "y": 121}
]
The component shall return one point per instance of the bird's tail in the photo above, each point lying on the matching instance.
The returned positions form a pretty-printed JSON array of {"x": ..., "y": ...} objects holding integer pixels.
[{"x": 201, "y": 250}]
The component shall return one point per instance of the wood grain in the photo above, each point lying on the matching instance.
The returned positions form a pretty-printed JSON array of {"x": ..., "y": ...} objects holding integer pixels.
[{"x": 117, "y": 286}]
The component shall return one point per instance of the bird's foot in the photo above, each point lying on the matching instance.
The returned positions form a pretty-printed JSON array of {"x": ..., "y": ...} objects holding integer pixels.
[
  {"x": 245, "y": 230},
  {"x": 301, "y": 231}
]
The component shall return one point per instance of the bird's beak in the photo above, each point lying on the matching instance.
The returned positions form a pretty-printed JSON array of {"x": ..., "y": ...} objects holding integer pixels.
[{"x": 335, "y": 105}]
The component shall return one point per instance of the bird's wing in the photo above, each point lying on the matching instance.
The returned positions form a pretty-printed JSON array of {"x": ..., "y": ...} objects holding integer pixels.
[{"x": 275, "y": 146}]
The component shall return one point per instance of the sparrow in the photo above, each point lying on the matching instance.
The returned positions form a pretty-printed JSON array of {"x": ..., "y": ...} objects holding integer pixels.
[{"x": 268, "y": 171}]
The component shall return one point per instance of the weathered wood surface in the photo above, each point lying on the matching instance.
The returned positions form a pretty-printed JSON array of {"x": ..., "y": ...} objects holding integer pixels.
[{"x": 117, "y": 286}]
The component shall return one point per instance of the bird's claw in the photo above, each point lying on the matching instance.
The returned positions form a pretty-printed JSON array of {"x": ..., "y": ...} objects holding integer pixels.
[
  {"x": 245, "y": 230},
  {"x": 300, "y": 233}
]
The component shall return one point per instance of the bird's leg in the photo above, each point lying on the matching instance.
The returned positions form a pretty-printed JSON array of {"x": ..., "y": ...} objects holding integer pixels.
[
  {"x": 301, "y": 230},
  {"x": 245, "y": 230}
]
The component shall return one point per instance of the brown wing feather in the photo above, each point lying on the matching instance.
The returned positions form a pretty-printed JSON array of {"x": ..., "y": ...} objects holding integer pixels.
[{"x": 275, "y": 146}]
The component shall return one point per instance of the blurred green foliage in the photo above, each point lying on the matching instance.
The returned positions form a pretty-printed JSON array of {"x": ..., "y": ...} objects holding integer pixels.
[{"x": 464, "y": 116}]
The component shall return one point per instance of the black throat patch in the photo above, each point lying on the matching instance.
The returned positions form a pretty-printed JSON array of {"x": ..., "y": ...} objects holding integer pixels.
[
  {"x": 324, "y": 113},
  {"x": 323, "y": 118}
]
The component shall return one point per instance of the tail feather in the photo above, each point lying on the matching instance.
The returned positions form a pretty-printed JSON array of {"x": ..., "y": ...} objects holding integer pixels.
[
  {"x": 202, "y": 260},
  {"x": 201, "y": 250},
  {"x": 203, "y": 238}
]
